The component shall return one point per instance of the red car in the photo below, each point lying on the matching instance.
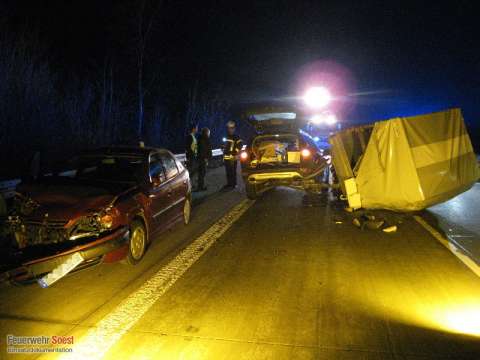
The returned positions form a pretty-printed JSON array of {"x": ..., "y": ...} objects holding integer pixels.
[{"x": 107, "y": 206}]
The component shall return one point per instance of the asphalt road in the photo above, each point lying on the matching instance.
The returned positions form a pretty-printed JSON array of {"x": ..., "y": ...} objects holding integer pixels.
[
  {"x": 289, "y": 277},
  {"x": 459, "y": 220}
]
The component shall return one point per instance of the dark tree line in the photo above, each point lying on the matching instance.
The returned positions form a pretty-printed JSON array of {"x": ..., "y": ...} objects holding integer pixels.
[{"x": 112, "y": 101}]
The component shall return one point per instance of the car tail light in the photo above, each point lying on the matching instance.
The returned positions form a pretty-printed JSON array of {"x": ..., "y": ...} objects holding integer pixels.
[
  {"x": 306, "y": 153},
  {"x": 243, "y": 155}
]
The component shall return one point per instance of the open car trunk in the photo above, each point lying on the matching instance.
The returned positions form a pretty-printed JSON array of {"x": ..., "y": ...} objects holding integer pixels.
[
  {"x": 405, "y": 164},
  {"x": 276, "y": 150}
]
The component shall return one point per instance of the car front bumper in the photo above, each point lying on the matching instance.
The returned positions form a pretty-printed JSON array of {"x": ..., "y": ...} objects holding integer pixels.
[{"x": 92, "y": 253}]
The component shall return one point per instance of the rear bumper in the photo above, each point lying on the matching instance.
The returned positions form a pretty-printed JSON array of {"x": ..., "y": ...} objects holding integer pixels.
[
  {"x": 300, "y": 178},
  {"x": 91, "y": 252},
  {"x": 282, "y": 176}
]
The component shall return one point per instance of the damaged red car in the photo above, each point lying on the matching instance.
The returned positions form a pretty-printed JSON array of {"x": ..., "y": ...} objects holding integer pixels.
[{"x": 103, "y": 206}]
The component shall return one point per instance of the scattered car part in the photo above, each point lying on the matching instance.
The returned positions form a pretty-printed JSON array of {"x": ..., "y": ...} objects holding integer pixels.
[{"x": 390, "y": 229}]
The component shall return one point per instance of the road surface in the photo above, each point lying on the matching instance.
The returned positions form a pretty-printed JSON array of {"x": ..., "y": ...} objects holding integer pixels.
[
  {"x": 459, "y": 220},
  {"x": 284, "y": 277}
]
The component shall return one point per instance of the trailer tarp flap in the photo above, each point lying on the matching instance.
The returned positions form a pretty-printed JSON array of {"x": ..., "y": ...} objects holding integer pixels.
[{"x": 409, "y": 163}]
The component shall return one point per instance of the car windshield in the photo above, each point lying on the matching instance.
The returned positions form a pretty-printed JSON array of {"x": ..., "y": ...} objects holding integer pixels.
[{"x": 110, "y": 168}]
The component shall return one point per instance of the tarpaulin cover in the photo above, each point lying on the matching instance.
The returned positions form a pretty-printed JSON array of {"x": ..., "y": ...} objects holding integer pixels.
[{"x": 407, "y": 163}]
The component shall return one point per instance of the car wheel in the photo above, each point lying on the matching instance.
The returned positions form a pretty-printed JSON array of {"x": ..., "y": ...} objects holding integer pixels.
[
  {"x": 187, "y": 210},
  {"x": 251, "y": 191},
  {"x": 137, "y": 243}
]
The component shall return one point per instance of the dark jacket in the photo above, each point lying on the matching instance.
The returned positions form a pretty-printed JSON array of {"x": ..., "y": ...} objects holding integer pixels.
[{"x": 204, "y": 148}]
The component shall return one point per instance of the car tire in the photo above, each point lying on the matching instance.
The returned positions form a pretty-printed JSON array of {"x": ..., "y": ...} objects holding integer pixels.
[
  {"x": 137, "y": 243},
  {"x": 187, "y": 210},
  {"x": 251, "y": 191}
]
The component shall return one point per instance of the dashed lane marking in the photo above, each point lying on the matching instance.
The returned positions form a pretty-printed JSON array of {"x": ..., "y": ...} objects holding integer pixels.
[
  {"x": 472, "y": 265},
  {"x": 99, "y": 339}
]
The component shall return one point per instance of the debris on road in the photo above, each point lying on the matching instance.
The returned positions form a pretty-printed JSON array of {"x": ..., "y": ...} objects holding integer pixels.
[
  {"x": 369, "y": 222},
  {"x": 357, "y": 222},
  {"x": 384, "y": 220},
  {"x": 374, "y": 224},
  {"x": 390, "y": 229}
]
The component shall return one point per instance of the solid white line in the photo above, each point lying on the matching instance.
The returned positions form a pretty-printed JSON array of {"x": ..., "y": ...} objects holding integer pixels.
[
  {"x": 98, "y": 340},
  {"x": 472, "y": 265}
]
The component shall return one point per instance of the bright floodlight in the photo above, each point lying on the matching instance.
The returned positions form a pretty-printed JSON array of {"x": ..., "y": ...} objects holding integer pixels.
[
  {"x": 317, "y": 97},
  {"x": 317, "y": 119},
  {"x": 328, "y": 119},
  {"x": 331, "y": 119}
]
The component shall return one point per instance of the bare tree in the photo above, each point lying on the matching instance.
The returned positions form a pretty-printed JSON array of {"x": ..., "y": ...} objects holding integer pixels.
[
  {"x": 207, "y": 109},
  {"x": 193, "y": 106},
  {"x": 145, "y": 19}
]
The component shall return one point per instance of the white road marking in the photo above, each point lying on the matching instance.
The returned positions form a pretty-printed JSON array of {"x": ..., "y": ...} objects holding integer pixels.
[
  {"x": 458, "y": 253},
  {"x": 98, "y": 340}
]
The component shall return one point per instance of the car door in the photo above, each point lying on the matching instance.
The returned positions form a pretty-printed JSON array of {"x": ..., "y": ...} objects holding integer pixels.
[
  {"x": 160, "y": 194},
  {"x": 176, "y": 182}
]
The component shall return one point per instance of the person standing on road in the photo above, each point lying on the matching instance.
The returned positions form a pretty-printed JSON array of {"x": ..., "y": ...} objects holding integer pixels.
[
  {"x": 191, "y": 148},
  {"x": 204, "y": 155},
  {"x": 231, "y": 148}
]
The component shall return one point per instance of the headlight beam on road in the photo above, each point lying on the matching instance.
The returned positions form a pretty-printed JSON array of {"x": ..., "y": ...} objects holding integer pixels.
[{"x": 98, "y": 340}]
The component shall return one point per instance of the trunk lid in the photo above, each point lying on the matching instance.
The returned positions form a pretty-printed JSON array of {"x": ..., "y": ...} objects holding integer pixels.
[{"x": 272, "y": 120}]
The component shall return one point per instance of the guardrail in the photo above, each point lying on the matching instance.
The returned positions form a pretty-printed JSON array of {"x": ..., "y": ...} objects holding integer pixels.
[
  {"x": 215, "y": 153},
  {"x": 7, "y": 187}
]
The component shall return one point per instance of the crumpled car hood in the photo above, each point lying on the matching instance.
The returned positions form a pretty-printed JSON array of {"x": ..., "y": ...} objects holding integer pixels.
[{"x": 65, "y": 202}]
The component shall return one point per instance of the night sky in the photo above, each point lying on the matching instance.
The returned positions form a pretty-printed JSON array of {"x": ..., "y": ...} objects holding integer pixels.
[{"x": 406, "y": 58}]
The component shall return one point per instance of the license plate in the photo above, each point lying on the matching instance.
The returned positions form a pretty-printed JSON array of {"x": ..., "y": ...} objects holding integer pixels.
[{"x": 61, "y": 270}]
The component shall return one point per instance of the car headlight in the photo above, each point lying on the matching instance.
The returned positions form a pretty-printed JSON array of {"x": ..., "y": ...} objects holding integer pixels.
[
  {"x": 93, "y": 225},
  {"x": 106, "y": 221}
]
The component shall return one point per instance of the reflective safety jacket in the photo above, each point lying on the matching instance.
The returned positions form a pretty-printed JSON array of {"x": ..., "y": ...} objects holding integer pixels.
[
  {"x": 231, "y": 147},
  {"x": 191, "y": 147}
]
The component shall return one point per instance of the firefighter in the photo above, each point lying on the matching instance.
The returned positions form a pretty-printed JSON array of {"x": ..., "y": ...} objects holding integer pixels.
[
  {"x": 231, "y": 148},
  {"x": 191, "y": 147}
]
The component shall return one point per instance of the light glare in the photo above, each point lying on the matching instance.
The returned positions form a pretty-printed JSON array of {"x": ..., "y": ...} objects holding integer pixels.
[
  {"x": 305, "y": 153},
  {"x": 317, "y": 97},
  {"x": 328, "y": 119}
]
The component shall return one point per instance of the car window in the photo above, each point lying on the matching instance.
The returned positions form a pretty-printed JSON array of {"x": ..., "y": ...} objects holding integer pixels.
[
  {"x": 106, "y": 168},
  {"x": 156, "y": 168},
  {"x": 170, "y": 165}
]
